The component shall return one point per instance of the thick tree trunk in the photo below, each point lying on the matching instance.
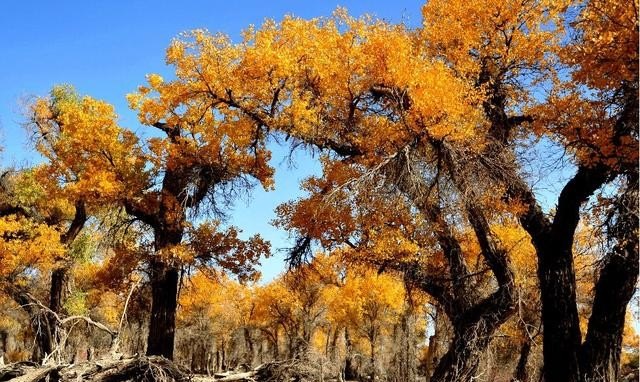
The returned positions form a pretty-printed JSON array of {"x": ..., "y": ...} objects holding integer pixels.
[
  {"x": 600, "y": 353},
  {"x": 559, "y": 315},
  {"x": 59, "y": 279},
  {"x": 600, "y": 356},
  {"x": 162, "y": 323},
  {"x": 43, "y": 339},
  {"x": 553, "y": 242}
]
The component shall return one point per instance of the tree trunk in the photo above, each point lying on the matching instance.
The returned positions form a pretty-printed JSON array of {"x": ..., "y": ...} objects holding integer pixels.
[
  {"x": 43, "y": 338},
  {"x": 404, "y": 363},
  {"x": 520, "y": 374},
  {"x": 59, "y": 279},
  {"x": 349, "y": 369},
  {"x": 248, "y": 359},
  {"x": 600, "y": 353},
  {"x": 600, "y": 356},
  {"x": 276, "y": 349},
  {"x": 38, "y": 319},
  {"x": 162, "y": 324},
  {"x": 372, "y": 345},
  {"x": 553, "y": 242},
  {"x": 434, "y": 344},
  {"x": 472, "y": 334},
  {"x": 559, "y": 315},
  {"x": 334, "y": 345}
]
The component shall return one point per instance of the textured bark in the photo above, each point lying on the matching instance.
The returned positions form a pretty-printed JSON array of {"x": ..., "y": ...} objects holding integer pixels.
[
  {"x": 60, "y": 275},
  {"x": 333, "y": 347},
  {"x": 105, "y": 370},
  {"x": 372, "y": 353},
  {"x": 168, "y": 224},
  {"x": 474, "y": 319},
  {"x": 59, "y": 280},
  {"x": 553, "y": 242},
  {"x": 162, "y": 323}
]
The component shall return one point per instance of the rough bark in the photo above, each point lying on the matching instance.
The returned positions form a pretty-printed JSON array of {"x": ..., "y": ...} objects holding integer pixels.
[
  {"x": 474, "y": 319},
  {"x": 144, "y": 369},
  {"x": 60, "y": 275},
  {"x": 168, "y": 231},
  {"x": 59, "y": 280},
  {"x": 164, "y": 300},
  {"x": 372, "y": 350},
  {"x": 553, "y": 241}
]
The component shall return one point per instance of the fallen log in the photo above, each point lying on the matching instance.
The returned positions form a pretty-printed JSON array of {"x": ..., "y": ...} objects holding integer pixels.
[
  {"x": 15, "y": 370},
  {"x": 246, "y": 376},
  {"x": 138, "y": 369},
  {"x": 45, "y": 374}
]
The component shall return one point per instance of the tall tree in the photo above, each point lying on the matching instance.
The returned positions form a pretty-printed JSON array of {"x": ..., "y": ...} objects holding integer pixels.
[
  {"x": 590, "y": 111},
  {"x": 453, "y": 101},
  {"x": 202, "y": 158}
]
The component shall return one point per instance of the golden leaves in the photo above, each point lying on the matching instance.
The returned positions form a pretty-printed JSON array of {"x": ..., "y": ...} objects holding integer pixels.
[
  {"x": 606, "y": 52},
  {"x": 27, "y": 247},
  {"x": 87, "y": 152}
]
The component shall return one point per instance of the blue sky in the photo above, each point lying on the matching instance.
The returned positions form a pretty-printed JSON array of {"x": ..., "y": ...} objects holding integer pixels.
[{"x": 105, "y": 49}]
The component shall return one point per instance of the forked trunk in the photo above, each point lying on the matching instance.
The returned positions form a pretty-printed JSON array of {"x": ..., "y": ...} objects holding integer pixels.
[{"x": 472, "y": 333}]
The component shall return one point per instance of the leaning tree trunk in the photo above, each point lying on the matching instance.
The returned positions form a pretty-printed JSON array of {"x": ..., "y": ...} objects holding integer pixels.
[
  {"x": 600, "y": 356},
  {"x": 600, "y": 353},
  {"x": 553, "y": 241},
  {"x": 249, "y": 355},
  {"x": 60, "y": 275}
]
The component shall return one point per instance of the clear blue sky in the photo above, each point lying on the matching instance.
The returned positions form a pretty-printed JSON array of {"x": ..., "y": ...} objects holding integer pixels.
[{"x": 105, "y": 49}]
